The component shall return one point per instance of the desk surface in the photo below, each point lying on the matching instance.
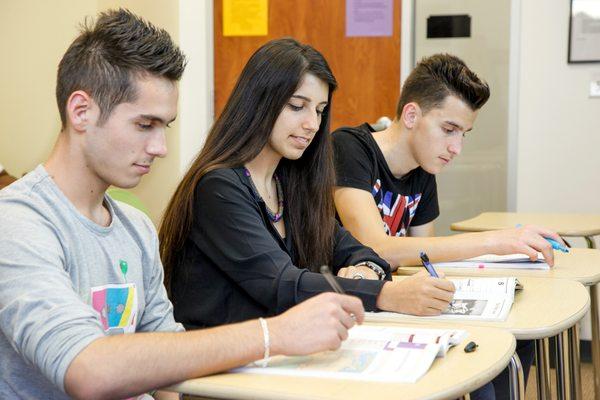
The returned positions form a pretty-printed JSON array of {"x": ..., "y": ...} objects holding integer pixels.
[
  {"x": 544, "y": 308},
  {"x": 563, "y": 224},
  {"x": 581, "y": 265},
  {"x": 450, "y": 377}
]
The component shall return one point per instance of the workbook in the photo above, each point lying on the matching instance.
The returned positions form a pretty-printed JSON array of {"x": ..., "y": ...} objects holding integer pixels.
[
  {"x": 509, "y": 261},
  {"x": 478, "y": 299},
  {"x": 371, "y": 353}
]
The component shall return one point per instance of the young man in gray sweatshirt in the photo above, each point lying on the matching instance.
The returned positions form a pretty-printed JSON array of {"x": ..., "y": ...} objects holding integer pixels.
[{"x": 80, "y": 274}]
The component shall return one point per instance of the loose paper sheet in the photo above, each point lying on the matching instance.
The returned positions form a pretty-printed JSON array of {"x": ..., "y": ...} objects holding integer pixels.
[
  {"x": 369, "y": 17},
  {"x": 245, "y": 17}
]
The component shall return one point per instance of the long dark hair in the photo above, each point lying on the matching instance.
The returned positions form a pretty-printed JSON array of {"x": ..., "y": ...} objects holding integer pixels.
[{"x": 266, "y": 84}]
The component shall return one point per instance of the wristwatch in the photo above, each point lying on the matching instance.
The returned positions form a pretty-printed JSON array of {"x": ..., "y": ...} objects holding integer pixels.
[{"x": 376, "y": 268}]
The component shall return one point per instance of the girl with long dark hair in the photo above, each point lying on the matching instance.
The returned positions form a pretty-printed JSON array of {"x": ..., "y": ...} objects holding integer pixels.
[{"x": 253, "y": 219}]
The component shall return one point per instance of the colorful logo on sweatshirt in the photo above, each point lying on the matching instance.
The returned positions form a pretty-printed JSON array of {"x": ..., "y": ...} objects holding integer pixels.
[{"x": 396, "y": 210}]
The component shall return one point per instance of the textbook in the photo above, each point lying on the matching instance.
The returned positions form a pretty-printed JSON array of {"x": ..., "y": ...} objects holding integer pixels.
[
  {"x": 476, "y": 299},
  {"x": 509, "y": 261},
  {"x": 371, "y": 353}
]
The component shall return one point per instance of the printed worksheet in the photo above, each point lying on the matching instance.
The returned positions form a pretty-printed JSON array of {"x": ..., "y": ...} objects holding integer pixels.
[{"x": 385, "y": 354}]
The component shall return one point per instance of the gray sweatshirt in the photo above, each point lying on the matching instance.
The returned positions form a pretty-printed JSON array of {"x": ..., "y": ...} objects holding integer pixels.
[{"x": 66, "y": 281}]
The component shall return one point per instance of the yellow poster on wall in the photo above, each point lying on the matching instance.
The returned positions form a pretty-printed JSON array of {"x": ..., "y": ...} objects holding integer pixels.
[{"x": 245, "y": 17}]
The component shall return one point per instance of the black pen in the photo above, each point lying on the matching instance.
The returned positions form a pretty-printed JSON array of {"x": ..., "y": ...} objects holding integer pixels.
[
  {"x": 331, "y": 280},
  {"x": 326, "y": 272}
]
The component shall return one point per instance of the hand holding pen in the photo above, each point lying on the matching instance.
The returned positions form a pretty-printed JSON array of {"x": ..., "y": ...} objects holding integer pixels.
[
  {"x": 529, "y": 240},
  {"x": 317, "y": 324},
  {"x": 423, "y": 293},
  {"x": 554, "y": 243}
]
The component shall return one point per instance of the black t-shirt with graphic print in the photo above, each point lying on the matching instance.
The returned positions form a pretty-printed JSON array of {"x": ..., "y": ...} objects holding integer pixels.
[{"x": 408, "y": 201}]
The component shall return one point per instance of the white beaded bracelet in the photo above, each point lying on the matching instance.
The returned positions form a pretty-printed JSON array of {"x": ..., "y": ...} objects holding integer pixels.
[{"x": 265, "y": 329}]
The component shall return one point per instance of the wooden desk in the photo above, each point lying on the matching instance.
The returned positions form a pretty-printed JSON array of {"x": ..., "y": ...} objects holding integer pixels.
[
  {"x": 574, "y": 225},
  {"x": 450, "y": 377},
  {"x": 584, "y": 225},
  {"x": 544, "y": 308},
  {"x": 581, "y": 265}
]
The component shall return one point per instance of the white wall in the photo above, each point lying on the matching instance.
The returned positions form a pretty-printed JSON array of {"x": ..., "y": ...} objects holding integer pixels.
[
  {"x": 558, "y": 132},
  {"x": 558, "y": 124},
  {"x": 196, "y": 91},
  {"x": 477, "y": 180}
]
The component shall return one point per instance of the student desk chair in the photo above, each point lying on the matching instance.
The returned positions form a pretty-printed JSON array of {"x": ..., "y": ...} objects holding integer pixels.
[
  {"x": 544, "y": 308},
  {"x": 450, "y": 377},
  {"x": 567, "y": 225}
]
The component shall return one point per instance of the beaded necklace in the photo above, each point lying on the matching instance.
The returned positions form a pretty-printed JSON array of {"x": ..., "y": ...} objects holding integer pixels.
[{"x": 275, "y": 217}]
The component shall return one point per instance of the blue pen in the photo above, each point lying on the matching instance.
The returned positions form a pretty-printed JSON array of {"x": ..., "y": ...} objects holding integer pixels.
[
  {"x": 557, "y": 246},
  {"x": 554, "y": 243},
  {"x": 427, "y": 264}
]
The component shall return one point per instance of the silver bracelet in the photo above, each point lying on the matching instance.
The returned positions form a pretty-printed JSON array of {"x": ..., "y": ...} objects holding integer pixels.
[
  {"x": 376, "y": 268},
  {"x": 267, "y": 340}
]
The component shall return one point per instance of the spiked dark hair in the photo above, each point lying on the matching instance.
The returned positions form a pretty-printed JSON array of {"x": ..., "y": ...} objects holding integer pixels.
[
  {"x": 106, "y": 57},
  {"x": 436, "y": 77}
]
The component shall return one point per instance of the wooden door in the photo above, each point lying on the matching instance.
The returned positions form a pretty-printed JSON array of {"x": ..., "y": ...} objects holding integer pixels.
[{"x": 367, "y": 68}]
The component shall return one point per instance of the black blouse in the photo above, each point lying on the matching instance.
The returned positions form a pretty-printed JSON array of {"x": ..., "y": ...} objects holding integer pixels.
[{"x": 237, "y": 267}]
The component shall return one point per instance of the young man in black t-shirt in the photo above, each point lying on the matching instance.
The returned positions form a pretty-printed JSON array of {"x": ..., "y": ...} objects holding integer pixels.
[
  {"x": 386, "y": 192},
  {"x": 389, "y": 176},
  {"x": 410, "y": 200}
]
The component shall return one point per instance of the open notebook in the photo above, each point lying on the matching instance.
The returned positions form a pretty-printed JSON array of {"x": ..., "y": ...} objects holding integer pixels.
[
  {"x": 481, "y": 299},
  {"x": 371, "y": 353},
  {"x": 509, "y": 261}
]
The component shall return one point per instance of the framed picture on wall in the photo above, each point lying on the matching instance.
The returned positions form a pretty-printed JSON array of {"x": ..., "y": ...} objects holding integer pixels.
[{"x": 584, "y": 31}]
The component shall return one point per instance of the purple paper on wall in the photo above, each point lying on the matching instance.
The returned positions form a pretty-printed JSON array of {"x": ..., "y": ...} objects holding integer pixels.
[{"x": 369, "y": 17}]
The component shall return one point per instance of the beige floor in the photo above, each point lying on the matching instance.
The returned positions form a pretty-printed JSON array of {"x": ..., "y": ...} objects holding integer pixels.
[{"x": 587, "y": 383}]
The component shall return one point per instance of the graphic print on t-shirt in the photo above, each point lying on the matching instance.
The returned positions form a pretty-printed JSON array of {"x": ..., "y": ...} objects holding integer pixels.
[
  {"x": 117, "y": 307},
  {"x": 396, "y": 210}
]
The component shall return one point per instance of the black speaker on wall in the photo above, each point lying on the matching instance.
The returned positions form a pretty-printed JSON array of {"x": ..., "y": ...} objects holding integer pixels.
[{"x": 448, "y": 26}]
